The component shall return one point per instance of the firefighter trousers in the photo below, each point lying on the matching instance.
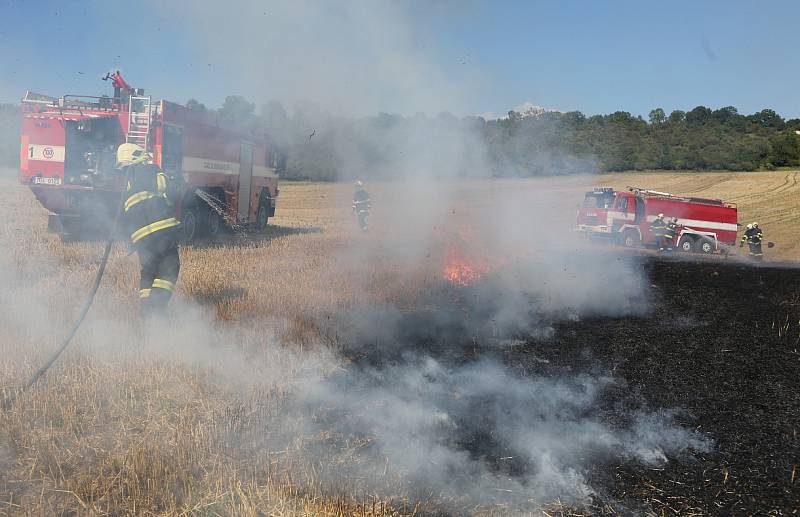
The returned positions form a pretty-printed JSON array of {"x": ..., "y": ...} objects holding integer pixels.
[
  {"x": 755, "y": 251},
  {"x": 362, "y": 219},
  {"x": 160, "y": 266}
]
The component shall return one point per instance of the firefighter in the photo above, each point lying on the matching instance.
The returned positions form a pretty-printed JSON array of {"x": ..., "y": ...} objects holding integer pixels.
[
  {"x": 670, "y": 231},
  {"x": 753, "y": 237},
  {"x": 149, "y": 215},
  {"x": 659, "y": 229},
  {"x": 361, "y": 205}
]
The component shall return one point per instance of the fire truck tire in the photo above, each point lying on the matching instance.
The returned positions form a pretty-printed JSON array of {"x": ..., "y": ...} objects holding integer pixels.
[
  {"x": 262, "y": 215},
  {"x": 687, "y": 244},
  {"x": 191, "y": 223},
  {"x": 69, "y": 229},
  {"x": 75, "y": 229},
  {"x": 630, "y": 239},
  {"x": 706, "y": 246},
  {"x": 213, "y": 223}
]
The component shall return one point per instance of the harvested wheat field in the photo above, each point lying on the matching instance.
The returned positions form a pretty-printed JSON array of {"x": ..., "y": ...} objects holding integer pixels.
[{"x": 467, "y": 355}]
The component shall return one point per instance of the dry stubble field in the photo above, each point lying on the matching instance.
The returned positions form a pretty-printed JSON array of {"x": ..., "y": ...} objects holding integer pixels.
[{"x": 181, "y": 418}]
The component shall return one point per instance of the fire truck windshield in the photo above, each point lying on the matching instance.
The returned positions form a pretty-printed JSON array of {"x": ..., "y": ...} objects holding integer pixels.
[{"x": 602, "y": 200}]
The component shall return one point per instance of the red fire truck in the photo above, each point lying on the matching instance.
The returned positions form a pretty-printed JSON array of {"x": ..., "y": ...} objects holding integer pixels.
[
  {"x": 68, "y": 156},
  {"x": 703, "y": 225}
]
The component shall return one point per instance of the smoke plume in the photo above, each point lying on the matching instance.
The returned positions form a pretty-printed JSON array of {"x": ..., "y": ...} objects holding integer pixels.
[{"x": 438, "y": 420}]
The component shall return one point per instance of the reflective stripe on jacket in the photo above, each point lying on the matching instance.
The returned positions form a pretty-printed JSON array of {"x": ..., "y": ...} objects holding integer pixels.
[
  {"x": 753, "y": 236},
  {"x": 148, "y": 209}
]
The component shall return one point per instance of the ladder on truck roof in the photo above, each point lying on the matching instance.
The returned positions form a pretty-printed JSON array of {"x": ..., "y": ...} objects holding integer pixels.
[
  {"x": 654, "y": 193},
  {"x": 140, "y": 113}
]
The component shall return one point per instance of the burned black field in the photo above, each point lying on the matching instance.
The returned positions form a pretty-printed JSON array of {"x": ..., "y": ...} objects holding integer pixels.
[
  {"x": 716, "y": 352},
  {"x": 720, "y": 344}
]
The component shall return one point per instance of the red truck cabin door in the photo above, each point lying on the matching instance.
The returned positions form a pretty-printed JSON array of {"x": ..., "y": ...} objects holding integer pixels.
[{"x": 245, "y": 181}]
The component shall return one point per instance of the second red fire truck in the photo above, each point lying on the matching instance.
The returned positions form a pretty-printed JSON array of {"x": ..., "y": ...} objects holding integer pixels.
[
  {"x": 703, "y": 225},
  {"x": 68, "y": 154}
]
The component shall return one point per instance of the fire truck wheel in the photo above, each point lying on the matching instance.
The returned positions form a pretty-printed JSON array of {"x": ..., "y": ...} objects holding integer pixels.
[
  {"x": 190, "y": 223},
  {"x": 262, "y": 216},
  {"x": 630, "y": 239},
  {"x": 213, "y": 223},
  {"x": 70, "y": 229},
  {"x": 706, "y": 246},
  {"x": 687, "y": 244}
]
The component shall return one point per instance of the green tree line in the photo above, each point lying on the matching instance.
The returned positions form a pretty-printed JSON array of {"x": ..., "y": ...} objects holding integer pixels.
[{"x": 321, "y": 146}]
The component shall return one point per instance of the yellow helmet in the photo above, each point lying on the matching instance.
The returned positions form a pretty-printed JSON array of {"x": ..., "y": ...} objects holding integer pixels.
[{"x": 131, "y": 154}]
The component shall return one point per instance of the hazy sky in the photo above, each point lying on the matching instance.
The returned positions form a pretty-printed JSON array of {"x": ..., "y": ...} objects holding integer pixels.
[{"x": 467, "y": 57}]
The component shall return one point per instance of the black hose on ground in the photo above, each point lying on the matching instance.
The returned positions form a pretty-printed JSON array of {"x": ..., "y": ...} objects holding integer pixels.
[{"x": 9, "y": 400}]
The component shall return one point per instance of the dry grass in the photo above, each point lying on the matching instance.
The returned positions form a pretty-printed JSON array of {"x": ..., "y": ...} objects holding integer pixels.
[{"x": 190, "y": 421}]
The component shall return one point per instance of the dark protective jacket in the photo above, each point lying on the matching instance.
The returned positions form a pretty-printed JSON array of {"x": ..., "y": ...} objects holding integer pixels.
[
  {"x": 753, "y": 236},
  {"x": 670, "y": 230},
  {"x": 149, "y": 206},
  {"x": 659, "y": 227},
  {"x": 361, "y": 200}
]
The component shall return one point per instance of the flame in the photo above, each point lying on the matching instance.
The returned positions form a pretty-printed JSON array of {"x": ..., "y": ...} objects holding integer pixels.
[
  {"x": 465, "y": 259},
  {"x": 460, "y": 272}
]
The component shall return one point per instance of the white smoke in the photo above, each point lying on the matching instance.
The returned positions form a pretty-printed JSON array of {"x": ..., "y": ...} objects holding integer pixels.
[
  {"x": 475, "y": 431},
  {"x": 357, "y": 58}
]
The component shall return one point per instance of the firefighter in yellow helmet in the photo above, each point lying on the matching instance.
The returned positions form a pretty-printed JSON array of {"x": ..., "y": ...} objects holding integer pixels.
[
  {"x": 149, "y": 216},
  {"x": 753, "y": 238}
]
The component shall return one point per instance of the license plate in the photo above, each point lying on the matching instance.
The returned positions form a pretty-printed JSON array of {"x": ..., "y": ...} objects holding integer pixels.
[{"x": 41, "y": 180}]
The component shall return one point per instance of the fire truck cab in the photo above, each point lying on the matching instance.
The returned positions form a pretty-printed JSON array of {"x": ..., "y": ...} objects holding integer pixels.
[
  {"x": 624, "y": 217},
  {"x": 68, "y": 155}
]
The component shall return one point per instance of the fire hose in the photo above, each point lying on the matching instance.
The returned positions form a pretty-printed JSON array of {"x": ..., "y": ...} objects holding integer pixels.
[{"x": 9, "y": 399}]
